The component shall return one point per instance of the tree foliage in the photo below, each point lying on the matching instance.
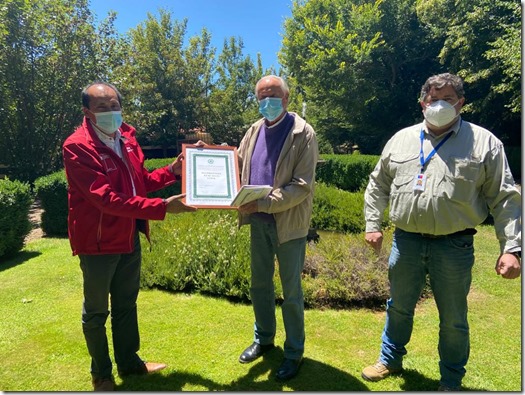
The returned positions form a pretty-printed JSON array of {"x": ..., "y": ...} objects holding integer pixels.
[
  {"x": 355, "y": 68},
  {"x": 359, "y": 65},
  {"x": 173, "y": 89},
  {"x": 326, "y": 54},
  {"x": 47, "y": 50},
  {"x": 161, "y": 94},
  {"x": 482, "y": 45},
  {"x": 232, "y": 101}
]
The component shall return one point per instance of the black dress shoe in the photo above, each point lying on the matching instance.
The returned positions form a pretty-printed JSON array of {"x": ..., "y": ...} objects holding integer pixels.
[
  {"x": 288, "y": 369},
  {"x": 254, "y": 351}
]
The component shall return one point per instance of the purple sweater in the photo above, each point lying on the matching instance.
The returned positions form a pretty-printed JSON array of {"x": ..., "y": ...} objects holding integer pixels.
[{"x": 267, "y": 150}]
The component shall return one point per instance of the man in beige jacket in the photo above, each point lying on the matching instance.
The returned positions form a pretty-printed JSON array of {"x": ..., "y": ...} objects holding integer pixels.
[{"x": 278, "y": 150}]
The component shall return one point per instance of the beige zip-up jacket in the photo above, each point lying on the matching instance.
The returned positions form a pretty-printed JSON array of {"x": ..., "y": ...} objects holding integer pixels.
[{"x": 291, "y": 199}]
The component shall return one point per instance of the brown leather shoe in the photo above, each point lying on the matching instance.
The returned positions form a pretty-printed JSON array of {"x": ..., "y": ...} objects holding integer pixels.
[
  {"x": 146, "y": 368},
  {"x": 153, "y": 367},
  {"x": 103, "y": 384}
]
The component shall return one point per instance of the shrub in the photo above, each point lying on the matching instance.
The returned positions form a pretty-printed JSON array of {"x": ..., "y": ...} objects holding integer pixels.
[
  {"x": 347, "y": 172},
  {"x": 15, "y": 201},
  {"x": 203, "y": 250},
  {"x": 210, "y": 255},
  {"x": 51, "y": 190},
  {"x": 338, "y": 210},
  {"x": 174, "y": 189},
  {"x": 342, "y": 270}
]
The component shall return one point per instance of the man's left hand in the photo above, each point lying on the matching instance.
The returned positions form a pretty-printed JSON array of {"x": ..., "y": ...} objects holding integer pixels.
[
  {"x": 508, "y": 266},
  {"x": 176, "y": 166}
]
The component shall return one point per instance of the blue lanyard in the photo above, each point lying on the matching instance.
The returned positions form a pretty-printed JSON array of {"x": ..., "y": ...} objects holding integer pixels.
[{"x": 422, "y": 159}]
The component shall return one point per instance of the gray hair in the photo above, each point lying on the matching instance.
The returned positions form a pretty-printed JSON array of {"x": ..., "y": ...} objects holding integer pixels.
[
  {"x": 284, "y": 85},
  {"x": 439, "y": 81}
]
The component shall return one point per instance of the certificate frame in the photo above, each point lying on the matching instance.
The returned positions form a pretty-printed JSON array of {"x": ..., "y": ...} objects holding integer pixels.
[{"x": 210, "y": 175}]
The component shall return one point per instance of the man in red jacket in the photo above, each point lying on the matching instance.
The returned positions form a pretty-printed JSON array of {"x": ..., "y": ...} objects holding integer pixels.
[{"x": 107, "y": 208}]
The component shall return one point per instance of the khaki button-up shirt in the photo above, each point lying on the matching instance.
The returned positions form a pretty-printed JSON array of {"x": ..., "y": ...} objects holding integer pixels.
[{"x": 466, "y": 178}]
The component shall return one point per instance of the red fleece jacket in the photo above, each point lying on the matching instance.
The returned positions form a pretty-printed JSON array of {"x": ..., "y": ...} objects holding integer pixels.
[{"x": 103, "y": 212}]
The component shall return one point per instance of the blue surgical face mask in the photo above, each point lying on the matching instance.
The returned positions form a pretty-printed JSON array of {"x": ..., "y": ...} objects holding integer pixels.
[
  {"x": 271, "y": 108},
  {"x": 109, "y": 121}
]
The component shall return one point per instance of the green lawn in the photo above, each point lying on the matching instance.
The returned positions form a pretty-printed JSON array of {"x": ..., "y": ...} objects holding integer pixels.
[{"x": 200, "y": 338}]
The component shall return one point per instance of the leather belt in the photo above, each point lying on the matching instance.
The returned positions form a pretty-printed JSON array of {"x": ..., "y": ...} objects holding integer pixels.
[{"x": 464, "y": 232}]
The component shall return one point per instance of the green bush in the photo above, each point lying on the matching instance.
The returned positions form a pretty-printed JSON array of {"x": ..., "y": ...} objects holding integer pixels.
[
  {"x": 338, "y": 210},
  {"x": 205, "y": 252},
  {"x": 347, "y": 172},
  {"x": 174, "y": 189},
  {"x": 15, "y": 201},
  {"x": 51, "y": 190},
  {"x": 342, "y": 270}
]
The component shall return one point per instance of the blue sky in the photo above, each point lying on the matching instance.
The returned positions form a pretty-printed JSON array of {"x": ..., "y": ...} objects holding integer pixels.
[{"x": 258, "y": 23}]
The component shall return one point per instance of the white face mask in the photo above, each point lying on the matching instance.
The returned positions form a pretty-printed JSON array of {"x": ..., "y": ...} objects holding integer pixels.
[
  {"x": 109, "y": 122},
  {"x": 440, "y": 113}
]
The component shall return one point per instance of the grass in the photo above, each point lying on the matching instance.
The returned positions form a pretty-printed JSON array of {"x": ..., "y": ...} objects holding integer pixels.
[{"x": 200, "y": 338}]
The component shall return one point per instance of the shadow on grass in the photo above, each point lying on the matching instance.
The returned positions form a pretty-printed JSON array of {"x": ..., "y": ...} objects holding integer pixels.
[
  {"x": 415, "y": 382},
  {"x": 313, "y": 376},
  {"x": 18, "y": 259}
]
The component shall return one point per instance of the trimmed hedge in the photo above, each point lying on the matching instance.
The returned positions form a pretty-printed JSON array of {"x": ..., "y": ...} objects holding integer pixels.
[
  {"x": 51, "y": 190},
  {"x": 206, "y": 252},
  {"x": 347, "y": 172},
  {"x": 339, "y": 211},
  {"x": 15, "y": 201}
]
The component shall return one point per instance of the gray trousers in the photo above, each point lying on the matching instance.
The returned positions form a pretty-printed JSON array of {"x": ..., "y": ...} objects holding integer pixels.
[
  {"x": 116, "y": 276},
  {"x": 290, "y": 255}
]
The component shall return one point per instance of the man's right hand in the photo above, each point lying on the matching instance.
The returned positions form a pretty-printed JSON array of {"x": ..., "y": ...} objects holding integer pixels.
[
  {"x": 375, "y": 240},
  {"x": 175, "y": 205}
]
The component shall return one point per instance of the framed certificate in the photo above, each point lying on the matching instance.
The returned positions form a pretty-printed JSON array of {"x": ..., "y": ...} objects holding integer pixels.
[{"x": 210, "y": 176}]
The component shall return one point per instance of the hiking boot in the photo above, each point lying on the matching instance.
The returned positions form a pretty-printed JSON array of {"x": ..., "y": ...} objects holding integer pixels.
[{"x": 377, "y": 372}]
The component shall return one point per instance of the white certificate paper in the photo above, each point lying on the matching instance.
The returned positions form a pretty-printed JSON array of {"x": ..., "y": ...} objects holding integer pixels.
[{"x": 210, "y": 176}]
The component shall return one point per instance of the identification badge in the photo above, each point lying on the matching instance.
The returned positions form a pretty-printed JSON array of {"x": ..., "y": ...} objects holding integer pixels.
[{"x": 419, "y": 182}]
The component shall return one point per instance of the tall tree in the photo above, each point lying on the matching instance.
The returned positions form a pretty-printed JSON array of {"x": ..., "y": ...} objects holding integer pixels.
[
  {"x": 359, "y": 64},
  {"x": 326, "y": 53},
  {"x": 166, "y": 84},
  {"x": 233, "y": 103},
  {"x": 397, "y": 72},
  {"x": 482, "y": 44},
  {"x": 48, "y": 50}
]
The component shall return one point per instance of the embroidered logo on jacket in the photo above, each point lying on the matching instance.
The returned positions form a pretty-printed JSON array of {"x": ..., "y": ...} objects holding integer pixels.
[{"x": 108, "y": 163}]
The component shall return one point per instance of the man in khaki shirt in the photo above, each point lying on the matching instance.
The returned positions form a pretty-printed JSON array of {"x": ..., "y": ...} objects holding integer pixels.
[{"x": 441, "y": 179}]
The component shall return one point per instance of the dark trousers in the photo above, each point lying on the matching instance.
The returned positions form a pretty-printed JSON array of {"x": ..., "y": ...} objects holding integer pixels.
[{"x": 118, "y": 276}]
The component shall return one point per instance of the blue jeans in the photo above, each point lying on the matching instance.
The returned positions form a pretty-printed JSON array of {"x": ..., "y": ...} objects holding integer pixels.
[
  {"x": 264, "y": 249},
  {"x": 117, "y": 275},
  {"x": 448, "y": 263}
]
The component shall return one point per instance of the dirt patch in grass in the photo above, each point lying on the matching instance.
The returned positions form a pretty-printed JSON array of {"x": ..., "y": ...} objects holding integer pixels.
[{"x": 35, "y": 217}]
